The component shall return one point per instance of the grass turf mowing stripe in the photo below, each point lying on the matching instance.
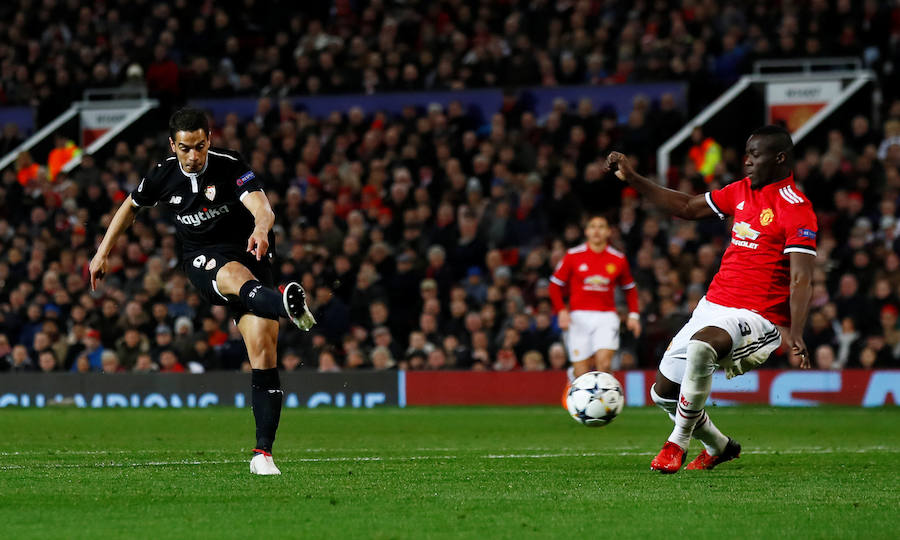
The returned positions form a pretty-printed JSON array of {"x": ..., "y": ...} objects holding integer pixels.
[{"x": 785, "y": 451}]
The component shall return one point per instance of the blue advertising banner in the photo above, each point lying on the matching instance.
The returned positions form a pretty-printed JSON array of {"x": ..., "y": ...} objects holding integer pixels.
[
  {"x": 178, "y": 390},
  {"x": 481, "y": 103},
  {"x": 21, "y": 116}
]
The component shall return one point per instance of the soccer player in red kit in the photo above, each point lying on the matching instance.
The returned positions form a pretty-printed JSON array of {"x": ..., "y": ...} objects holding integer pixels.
[
  {"x": 759, "y": 296},
  {"x": 591, "y": 271}
]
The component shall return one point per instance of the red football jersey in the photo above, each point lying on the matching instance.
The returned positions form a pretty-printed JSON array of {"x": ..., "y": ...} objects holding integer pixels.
[
  {"x": 591, "y": 278},
  {"x": 769, "y": 224}
]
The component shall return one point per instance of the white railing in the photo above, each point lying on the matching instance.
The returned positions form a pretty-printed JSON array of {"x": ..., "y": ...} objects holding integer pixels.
[
  {"x": 858, "y": 78},
  {"x": 97, "y": 98}
]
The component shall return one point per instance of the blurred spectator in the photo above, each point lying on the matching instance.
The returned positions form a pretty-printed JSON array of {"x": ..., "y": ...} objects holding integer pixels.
[
  {"x": 290, "y": 361},
  {"x": 824, "y": 357},
  {"x": 381, "y": 358},
  {"x": 144, "y": 364},
  {"x": 533, "y": 361},
  {"x": 169, "y": 362},
  {"x": 327, "y": 362},
  {"x": 129, "y": 346},
  {"x": 47, "y": 362},
  {"x": 110, "y": 363}
]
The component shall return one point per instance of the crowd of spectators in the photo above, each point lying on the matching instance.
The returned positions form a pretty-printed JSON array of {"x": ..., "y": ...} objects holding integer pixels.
[
  {"x": 427, "y": 246},
  {"x": 425, "y": 239},
  {"x": 52, "y": 49}
]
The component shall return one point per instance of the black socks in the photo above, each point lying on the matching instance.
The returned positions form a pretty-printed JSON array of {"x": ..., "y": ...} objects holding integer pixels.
[
  {"x": 267, "y": 397},
  {"x": 262, "y": 301}
]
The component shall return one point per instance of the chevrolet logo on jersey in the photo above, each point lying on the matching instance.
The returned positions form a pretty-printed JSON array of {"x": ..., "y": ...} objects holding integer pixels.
[
  {"x": 743, "y": 232},
  {"x": 596, "y": 283},
  {"x": 197, "y": 218}
]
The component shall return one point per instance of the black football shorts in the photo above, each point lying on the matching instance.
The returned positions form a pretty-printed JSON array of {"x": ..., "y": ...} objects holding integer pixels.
[{"x": 202, "y": 265}]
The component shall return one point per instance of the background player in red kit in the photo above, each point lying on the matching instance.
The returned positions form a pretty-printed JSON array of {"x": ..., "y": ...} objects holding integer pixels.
[
  {"x": 591, "y": 272},
  {"x": 759, "y": 296}
]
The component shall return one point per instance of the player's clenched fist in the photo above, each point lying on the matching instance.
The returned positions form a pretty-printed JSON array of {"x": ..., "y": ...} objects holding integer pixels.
[{"x": 617, "y": 162}]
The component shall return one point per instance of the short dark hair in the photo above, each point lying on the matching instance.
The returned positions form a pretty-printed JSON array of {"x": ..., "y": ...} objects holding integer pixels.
[
  {"x": 188, "y": 119},
  {"x": 780, "y": 138},
  {"x": 609, "y": 215}
]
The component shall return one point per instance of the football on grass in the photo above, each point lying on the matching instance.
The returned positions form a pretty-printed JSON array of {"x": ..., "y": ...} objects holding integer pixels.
[{"x": 595, "y": 399}]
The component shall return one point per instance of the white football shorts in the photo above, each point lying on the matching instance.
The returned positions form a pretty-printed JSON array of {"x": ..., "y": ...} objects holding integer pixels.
[
  {"x": 753, "y": 339},
  {"x": 591, "y": 331}
]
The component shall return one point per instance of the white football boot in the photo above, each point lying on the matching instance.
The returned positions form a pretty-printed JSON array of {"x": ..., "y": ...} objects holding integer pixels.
[
  {"x": 294, "y": 298},
  {"x": 262, "y": 464}
]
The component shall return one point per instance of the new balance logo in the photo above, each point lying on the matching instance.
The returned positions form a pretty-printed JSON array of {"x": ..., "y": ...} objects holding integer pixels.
[
  {"x": 199, "y": 217},
  {"x": 787, "y": 193},
  {"x": 175, "y": 199}
]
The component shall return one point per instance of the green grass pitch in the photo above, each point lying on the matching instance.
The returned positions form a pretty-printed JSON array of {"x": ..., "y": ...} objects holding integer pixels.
[{"x": 443, "y": 473}]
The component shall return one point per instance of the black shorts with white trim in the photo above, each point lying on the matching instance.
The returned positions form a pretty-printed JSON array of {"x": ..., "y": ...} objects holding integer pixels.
[{"x": 202, "y": 266}]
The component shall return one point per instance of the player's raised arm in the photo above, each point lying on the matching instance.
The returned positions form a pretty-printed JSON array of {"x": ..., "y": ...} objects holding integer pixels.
[
  {"x": 674, "y": 202},
  {"x": 802, "y": 267},
  {"x": 258, "y": 204},
  {"x": 122, "y": 219}
]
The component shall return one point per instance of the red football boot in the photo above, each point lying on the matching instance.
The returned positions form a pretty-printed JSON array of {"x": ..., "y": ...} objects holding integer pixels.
[
  {"x": 669, "y": 459},
  {"x": 705, "y": 462}
]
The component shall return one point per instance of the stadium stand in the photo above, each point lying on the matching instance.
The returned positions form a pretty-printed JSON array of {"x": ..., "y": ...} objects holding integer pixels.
[{"x": 425, "y": 238}]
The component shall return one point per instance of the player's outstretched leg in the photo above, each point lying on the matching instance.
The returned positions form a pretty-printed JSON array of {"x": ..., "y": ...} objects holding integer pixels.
[
  {"x": 716, "y": 445},
  {"x": 702, "y": 358},
  {"x": 261, "y": 336},
  {"x": 235, "y": 279},
  {"x": 290, "y": 302}
]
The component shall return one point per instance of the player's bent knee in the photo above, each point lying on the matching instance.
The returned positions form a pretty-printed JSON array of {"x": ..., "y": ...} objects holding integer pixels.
[
  {"x": 701, "y": 360},
  {"x": 231, "y": 277},
  {"x": 715, "y": 337}
]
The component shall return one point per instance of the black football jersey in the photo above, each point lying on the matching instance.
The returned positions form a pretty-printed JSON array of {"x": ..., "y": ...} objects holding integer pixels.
[{"x": 207, "y": 205}]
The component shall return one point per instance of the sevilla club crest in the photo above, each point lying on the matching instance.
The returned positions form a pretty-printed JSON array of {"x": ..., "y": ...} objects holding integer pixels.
[{"x": 210, "y": 192}]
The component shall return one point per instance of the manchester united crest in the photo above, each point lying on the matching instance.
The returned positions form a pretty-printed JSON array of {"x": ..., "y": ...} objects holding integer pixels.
[
  {"x": 210, "y": 192},
  {"x": 610, "y": 268},
  {"x": 766, "y": 217}
]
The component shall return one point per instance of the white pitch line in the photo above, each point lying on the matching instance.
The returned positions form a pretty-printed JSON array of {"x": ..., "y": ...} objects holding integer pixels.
[{"x": 789, "y": 451}]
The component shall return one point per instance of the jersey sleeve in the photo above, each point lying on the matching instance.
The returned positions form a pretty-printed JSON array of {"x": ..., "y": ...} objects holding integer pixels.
[
  {"x": 800, "y": 230},
  {"x": 149, "y": 190},
  {"x": 558, "y": 282},
  {"x": 562, "y": 273},
  {"x": 625, "y": 280},
  {"x": 245, "y": 180},
  {"x": 722, "y": 201},
  {"x": 626, "y": 283}
]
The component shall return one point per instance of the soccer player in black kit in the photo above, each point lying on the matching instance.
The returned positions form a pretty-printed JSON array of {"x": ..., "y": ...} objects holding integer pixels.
[{"x": 224, "y": 223}]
